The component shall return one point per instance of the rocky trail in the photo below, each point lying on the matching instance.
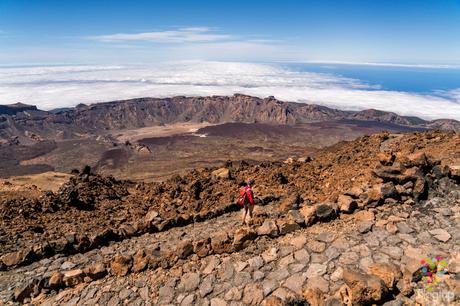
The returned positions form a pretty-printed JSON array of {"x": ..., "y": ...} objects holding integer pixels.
[{"x": 317, "y": 238}]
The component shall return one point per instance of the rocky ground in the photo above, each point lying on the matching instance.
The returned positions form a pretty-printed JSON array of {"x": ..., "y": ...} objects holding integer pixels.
[{"x": 348, "y": 226}]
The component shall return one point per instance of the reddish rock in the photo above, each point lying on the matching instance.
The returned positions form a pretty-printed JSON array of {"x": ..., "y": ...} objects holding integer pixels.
[
  {"x": 95, "y": 271},
  {"x": 346, "y": 204},
  {"x": 16, "y": 258},
  {"x": 243, "y": 237},
  {"x": 121, "y": 265},
  {"x": 202, "y": 247},
  {"x": 268, "y": 228},
  {"x": 56, "y": 280},
  {"x": 286, "y": 226},
  {"x": 309, "y": 214},
  {"x": 221, "y": 243},
  {"x": 73, "y": 277},
  {"x": 388, "y": 272},
  {"x": 363, "y": 288},
  {"x": 184, "y": 249}
]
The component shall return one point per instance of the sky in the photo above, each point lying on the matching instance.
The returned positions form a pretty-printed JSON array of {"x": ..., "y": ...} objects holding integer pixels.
[
  {"x": 61, "y": 53},
  {"x": 389, "y": 31}
]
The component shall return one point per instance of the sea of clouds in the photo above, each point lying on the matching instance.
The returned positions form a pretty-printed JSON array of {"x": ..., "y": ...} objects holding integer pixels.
[{"x": 51, "y": 87}]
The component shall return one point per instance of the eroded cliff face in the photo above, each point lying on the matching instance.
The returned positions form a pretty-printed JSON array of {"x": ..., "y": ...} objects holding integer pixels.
[{"x": 143, "y": 112}]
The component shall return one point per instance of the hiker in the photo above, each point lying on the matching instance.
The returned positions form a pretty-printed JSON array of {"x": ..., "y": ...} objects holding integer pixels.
[{"x": 246, "y": 200}]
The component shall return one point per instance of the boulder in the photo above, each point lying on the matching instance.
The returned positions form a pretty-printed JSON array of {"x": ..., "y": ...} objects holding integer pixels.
[
  {"x": 140, "y": 261},
  {"x": 17, "y": 258},
  {"x": 184, "y": 249},
  {"x": 417, "y": 159},
  {"x": 242, "y": 238},
  {"x": 295, "y": 216},
  {"x": 364, "y": 215},
  {"x": 221, "y": 243},
  {"x": 55, "y": 280},
  {"x": 24, "y": 291},
  {"x": 73, "y": 277},
  {"x": 95, "y": 271},
  {"x": 202, "y": 247},
  {"x": 346, "y": 203},
  {"x": 121, "y": 265},
  {"x": 362, "y": 289},
  {"x": 386, "y": 158},
  {"x": 268, "y": 228},
  {"x": 388, "y": 190},
  {"x": 325, "y": 212},
  {"x": 150, "y": 216},
  {"x": 286, "y": 226},
  {"x": 222, "y": 173},
  {"x": 388, "y": 272},
  {"x": 290, "y": 202},
  {"x": 454, "y": 171},
  {"x": 308, "y": 213}
]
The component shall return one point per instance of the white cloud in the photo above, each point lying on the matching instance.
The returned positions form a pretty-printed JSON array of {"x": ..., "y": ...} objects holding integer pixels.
[
  {"x": 181, "y": 35},
  {"x": 59, "y": 86}
]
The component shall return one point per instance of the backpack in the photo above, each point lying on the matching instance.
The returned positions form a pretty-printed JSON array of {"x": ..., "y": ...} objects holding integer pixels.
[{"x": 242, "y": 197}]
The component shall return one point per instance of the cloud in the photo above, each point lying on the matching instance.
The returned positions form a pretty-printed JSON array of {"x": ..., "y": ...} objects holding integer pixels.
[
  {"x": 60, "y": 86},
  {"x": 181, "y": 35},
  {"x": 429, "y": 66}
]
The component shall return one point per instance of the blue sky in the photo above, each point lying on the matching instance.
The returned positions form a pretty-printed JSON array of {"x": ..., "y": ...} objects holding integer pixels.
[{"x": 414, "y": 32}]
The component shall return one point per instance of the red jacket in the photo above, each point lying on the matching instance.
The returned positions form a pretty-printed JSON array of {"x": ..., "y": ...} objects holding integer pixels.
[{"x": 249, "y": 194}]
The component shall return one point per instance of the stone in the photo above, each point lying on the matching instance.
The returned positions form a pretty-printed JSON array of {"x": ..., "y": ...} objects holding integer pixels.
[
  {"x": 234, "y": 294},
  {"x": 302, "y": 256},
  {"x": 124, "y": 293},
  {"x": 327, "y": 237},
  {"x": 140, "y": 262},
  {"x": 337, "y": 274},
  {"x": 150, "y": 216},
  {"x": 144, "y": 293},
  {"x": 221, "y": 243},
  {"x": 189, "y": 281},
  {"x": 286, "y": 227},
  {"x": 67, "y": 265},
  {"x": 16, "y": 258},
  {"x": 440, "y": 234},
  {"x": 55, "y": 280},
  {"x": 188, "y": 300},
  {"x": 346, "y": 204},
  {"x": 318, "y": 282},
  {"x": 256, "y": 263},
  {"x": 316, "y": 246},
  {"x": 24, "y": 291},
  {"x": 223, "y": 173},
  {"x": 391, "y": 228},
  {"x": 295, "y": 282},
  {"x": 295, "y": 216},
  {"x": 362, "y": 288},
  {"x": 298, "y": 242},
  {"x": 454, "y": 171},
  {"x": 73, "y": 277},
  {"x": 309, "y": 214},
  {"x": 417, "y": 159},
  {"x": 226, "y": 270},
  {"x": 388, "y": 272},
  {"x": 211, "y": 265},
  {"x": 243, "y": 237},
  {"x": 392, "y": 251},
  {"x": 121, "y": 265},
  {"x": 272, "y": 301},
  {"x": 286, "y": 261},
  {"x": 207, "y": 285},
  {"x": 325, "y": 212},
  {"x": 253, "y": 294},
  {"x": 202, "y": 247},
  {"x": 218, "y": 302},
  {"x": 184, "y": 249},
  {"x": 95, "y": 271},
  {"x": 365, "y": 226},
  {"x": 349, "y": 258},
  {"x": 364, "y": 215},
  {"x": 270, "y": 255},
  {"x": 268, "y": 228},
  {"x": 316, "y": 269}
]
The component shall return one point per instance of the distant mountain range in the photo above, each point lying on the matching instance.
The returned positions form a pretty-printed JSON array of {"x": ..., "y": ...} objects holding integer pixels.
[{"x": 17, "y": 119}]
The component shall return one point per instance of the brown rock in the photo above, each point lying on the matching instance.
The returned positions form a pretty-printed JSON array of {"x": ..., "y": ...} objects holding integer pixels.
[
  {"x": 346, "y": 204},
  {"x": 386, "y": 158},
  {"x": 314, "y": 297},
  {"x": 95, "y": 271},
  {"x": 221, "y": 243},
  {"x": 364, "y": 215},
  {"x": 454, "y": 171},
  {"x": 184, "y": 249},
  {"x": 202, "y": 247},
  {"x": 268, "y": 228},
  {"x": 242, "y": 238},
  {"x": 417, "y": 159},
  {"x": 223, "y": 173},
  {"x": 363, "y": 288},
  {"x": 141, "y": 261},
  {"x": 290, "y": 202},
  {"x": 309, "y": 214},
  {"x": 388, "y": 272},
  {"x": 272, "y": 301},
  {"x": 55, "y": 280},
  {"x": 295, "y": 216},
  {"x": 121, "y": 265},
  {"x": 253, "y": 294},
  {"x": 16, "y": 258},
  {"x": 287, "y": 226},
  {"x": 150, "y": 216},
  {"x": 73, "y": 277}
]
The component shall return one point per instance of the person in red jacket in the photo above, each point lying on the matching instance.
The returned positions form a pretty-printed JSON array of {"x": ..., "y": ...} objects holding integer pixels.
[{"x": 249, "y": 200}]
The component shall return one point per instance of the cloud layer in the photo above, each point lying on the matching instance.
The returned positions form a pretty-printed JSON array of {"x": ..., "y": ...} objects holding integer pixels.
[
  {"x": 60, "y": 86},
  {"x": 181, "y": 35}
]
